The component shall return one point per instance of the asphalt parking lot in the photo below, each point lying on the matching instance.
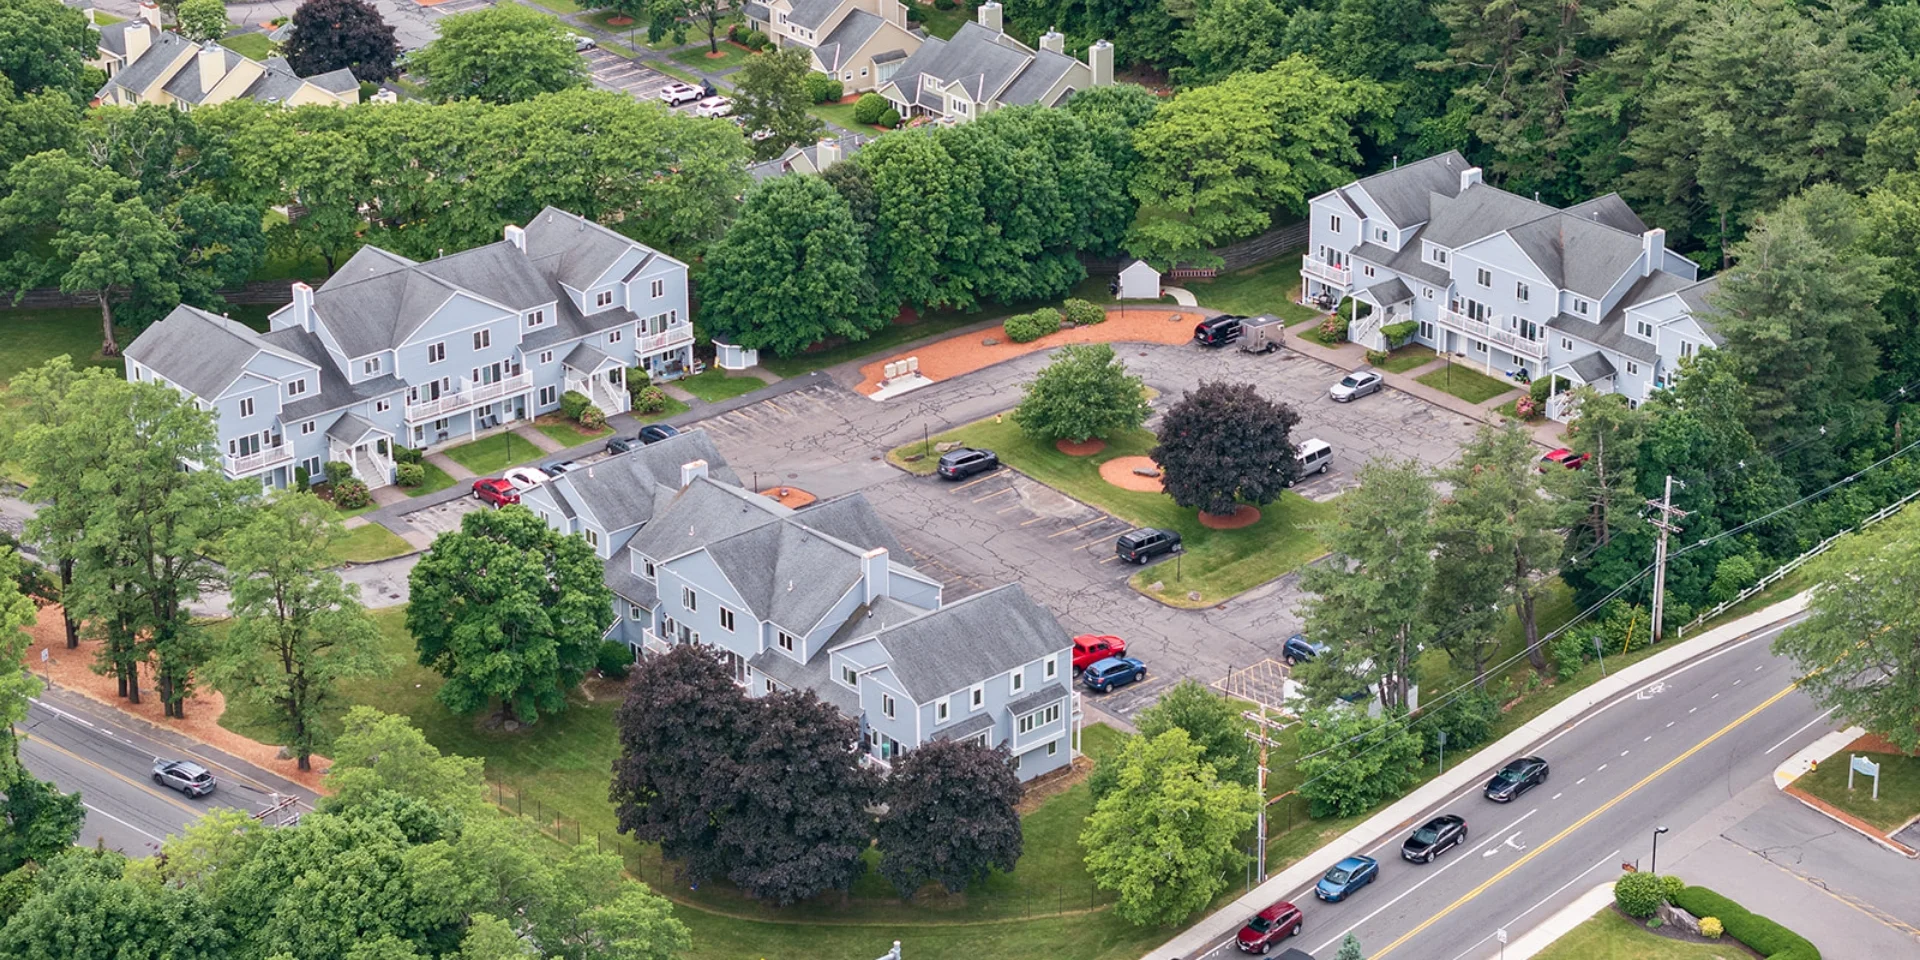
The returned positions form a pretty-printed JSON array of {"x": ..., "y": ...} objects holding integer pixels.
[
  {"x": 445, "y": 517},
  {"x": 615, "y": 72}
]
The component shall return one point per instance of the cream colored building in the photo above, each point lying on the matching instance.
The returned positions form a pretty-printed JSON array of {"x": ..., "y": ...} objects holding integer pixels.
[
  {"x": 145, "y": 64},
  {"x": 856, "y": 41}
]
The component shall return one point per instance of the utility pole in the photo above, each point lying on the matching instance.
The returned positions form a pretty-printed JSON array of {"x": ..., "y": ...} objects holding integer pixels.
[
  {"x": 1666, "y": 525},
  {"x": 1261, "y": 833}
]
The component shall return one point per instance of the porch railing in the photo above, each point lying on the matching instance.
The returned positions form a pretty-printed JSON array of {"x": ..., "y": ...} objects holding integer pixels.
[
  {"x": 1491, "y": 331},
  {"x": 469, "y": 395},
  {"x": 1325, "y": 272},
  {"x": 239, "y": 465}
]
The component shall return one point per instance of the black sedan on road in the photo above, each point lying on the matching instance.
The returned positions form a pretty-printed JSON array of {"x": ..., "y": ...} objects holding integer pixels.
[
  {"x": 1441, "y": 834},
  {"x": 1517, "y": 778}
]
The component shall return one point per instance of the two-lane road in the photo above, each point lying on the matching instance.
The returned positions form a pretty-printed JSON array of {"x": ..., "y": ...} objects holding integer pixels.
[
  {"x": 109, "y": 760},
  {"x": 1667, "y": 754}
]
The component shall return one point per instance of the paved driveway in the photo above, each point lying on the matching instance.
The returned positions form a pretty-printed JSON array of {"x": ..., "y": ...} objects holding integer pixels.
[{"x": 615, "y": 72}]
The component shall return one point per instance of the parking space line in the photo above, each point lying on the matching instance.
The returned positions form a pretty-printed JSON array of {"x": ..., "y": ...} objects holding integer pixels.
[
  {"x": 991, "y": 476},
  {"x": 1100, "y": 519},
  {"x": 989, "y": 496},
  {"x": 1034, "y": 520}
]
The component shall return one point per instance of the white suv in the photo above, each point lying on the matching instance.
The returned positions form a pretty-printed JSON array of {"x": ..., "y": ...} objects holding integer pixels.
[
  {"x": 677, "y": 93},
  {"x": 713, "y": 107}
]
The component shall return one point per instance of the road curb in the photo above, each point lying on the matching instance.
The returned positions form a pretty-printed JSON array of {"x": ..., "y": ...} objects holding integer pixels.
[
  {"x": 1560, "y": 924},
  {"x": 1226, "y": 920},
  {"x": 1797, "y": 766}
]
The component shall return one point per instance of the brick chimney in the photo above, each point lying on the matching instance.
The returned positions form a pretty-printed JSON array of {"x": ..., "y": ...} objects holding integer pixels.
[{"x": 150, "y": 12}]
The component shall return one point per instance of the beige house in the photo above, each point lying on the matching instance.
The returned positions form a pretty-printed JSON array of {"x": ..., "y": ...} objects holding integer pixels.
[
  {"x": 145, "y": 64},
  {"x": 858, "y": 41},
  {"x": 983, "y": 68}
]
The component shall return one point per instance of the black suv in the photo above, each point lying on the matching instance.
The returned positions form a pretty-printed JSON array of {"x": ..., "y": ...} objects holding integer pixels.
[
  {"x": 964, "y": 462},
  {"x": 1219, "y": 331},
  {"x": 1142, "y": 545}
]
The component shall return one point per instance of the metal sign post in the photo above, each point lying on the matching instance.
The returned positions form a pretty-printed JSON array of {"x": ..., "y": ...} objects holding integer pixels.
[
  {"x": 1501, "y": 935},
  {"x": 1443, "y": 751},
  {"x": 1598, "y": 652}
]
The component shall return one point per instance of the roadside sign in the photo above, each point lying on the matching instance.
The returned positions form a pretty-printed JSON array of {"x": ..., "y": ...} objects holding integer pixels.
[
  {"x": 1500, "y": 934},
  {"x": 1864, "y": 766}
]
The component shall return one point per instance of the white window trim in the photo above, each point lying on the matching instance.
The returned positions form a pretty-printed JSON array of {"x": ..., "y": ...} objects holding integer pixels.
[
  {"x": 941, "y": 712},
  {"x": 1052, "y": 668},
  {"x": 887, "y": 706},
  {"x": 246, "y": 406},
  {"x": 1017, "y": 680},
  {"x": 726, "y": 619},
  {"x": 976, "y": 697},
  {"x": 306, "y": 428}
]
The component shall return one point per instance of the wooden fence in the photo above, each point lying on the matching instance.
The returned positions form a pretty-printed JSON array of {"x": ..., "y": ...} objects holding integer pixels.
[{"x": 1233, "y": 256}]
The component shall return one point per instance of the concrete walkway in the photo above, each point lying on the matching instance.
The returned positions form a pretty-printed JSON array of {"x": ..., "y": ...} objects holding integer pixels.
[
  {"x": 450, "y": 465},
  {"x": 1181, "y": 296},
  {"x": 540, "y": 440}
]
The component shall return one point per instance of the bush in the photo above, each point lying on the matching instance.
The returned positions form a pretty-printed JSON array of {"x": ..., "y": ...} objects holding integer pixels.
[
  {"x": 1353, "y": 762},
  {"x": 351, "y": 494},
  {"x": 409, "y": 455},
  {"x": 338, "y": 471},
  {"x": 1082, "y": 313},
  {"x": 1468, "y": 720},
  {"x": 592, "y": 417},
  {"x": 1354, "y": 309},
  {"x": 913, "y": 13},
  {"x": 1569, "y": 651},
  {"x": 1731, "y": 576},
  {"x": 1655, "y": 923},
  {"x": 755, "y": 40},
  {"x": 650, "y": 400},
  {"x": 572, "y": 402},
  {"x": 1670, "y": 886},
  {"x": 1333, "y": 329},
  {"x": 409, "y": 474},
  {"x": 638, "y": 379},
  {"x": 823, "y": 88},
  {"x": 736, "y": 31},
  {"x": 1376, "y": 357},
  {"x": 890, "y": 119},
  {"x": 869, "y": 108},
  {"x": 613, "y": 659},
  {"x": 1398, "y": 334},
  {"x": 301, "y": 478},
  {"x": 1711, "y": 928},
  {"x": 1638, "y": 894},
  {"x": 944, "y": 4},
  {"x": 1765, "y": 937},
  {"x": 1028, "y": 327},
  {"x": 1540, "y": 390}
]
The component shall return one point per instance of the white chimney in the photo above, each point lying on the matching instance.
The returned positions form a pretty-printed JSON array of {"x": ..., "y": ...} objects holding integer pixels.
[
  {"x": 1100, "y": 59},
  {"x": 1653, "y": 246},
  {"x": 990, "y": 16},
  {"x": 91, "y": 22},
  {"x": 516, "y": 236},
  {"x": 828, "y": 154},
  {"x": 875, "y": 573},
  {"x": 303, "y": 306},
  {"x": 139, "y": 37},
  {"x": 1054, "y": 40},
  {"x": 213, "y": 65},
  {"x": 1469, "y": 177},
  {"x": 150, "y": 12},
  {"x": 692, "y": 471}
]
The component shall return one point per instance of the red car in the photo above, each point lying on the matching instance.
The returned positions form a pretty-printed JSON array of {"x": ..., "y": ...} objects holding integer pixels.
[
  {"x": 1091, "y": 648},
  {"x": 1270, "y": 926},
  {"x": 1563, "y": 457},
  {"x": 496, "y": 490}
]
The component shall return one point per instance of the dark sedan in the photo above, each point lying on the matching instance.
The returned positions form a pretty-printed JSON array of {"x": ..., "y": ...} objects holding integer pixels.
[
  {"x": 1517, "y": 778},
  {"x": 1441, "y": 834}
]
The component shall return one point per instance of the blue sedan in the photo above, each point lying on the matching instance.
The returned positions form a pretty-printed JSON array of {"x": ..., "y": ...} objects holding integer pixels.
[
  {"x": 1112, "y": 672},
  {"x": 1346, "y": 876}
]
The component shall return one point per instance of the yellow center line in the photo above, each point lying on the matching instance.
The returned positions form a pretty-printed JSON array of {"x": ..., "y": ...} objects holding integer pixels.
[
  {"x": 196, "y": 811},
  {"x": 1583, "y": 821}
]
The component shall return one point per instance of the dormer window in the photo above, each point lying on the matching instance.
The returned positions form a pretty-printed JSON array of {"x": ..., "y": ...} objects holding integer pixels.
[
  {"x": 603, "y": 299},
  {"x": 296, "y": 387},
  {"x": 371, "y": 366},
  {"x": 646, "y": 567},
  {"x": 1643, "y": 329},
  {"x": 538, "y": 318},
  {"x": 933, "y": 83},
  {"x": 850, "y": 677},
  {"x": 1380, "y": 234}
]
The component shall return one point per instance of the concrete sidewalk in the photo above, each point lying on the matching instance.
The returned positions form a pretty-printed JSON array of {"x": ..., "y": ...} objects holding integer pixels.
[{"x": 1225, "y": 921}]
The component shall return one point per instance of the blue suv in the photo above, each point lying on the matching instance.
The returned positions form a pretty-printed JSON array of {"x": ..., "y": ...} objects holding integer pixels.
[{"x": 1113, "y": 672}]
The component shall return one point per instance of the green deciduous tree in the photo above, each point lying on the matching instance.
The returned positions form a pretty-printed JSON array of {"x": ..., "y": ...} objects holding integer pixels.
[
  {"x": 45, "y": 45},
  {"x": 377, "y": 753},
  {"x": 1372, "y": 592},
  {"x": 501, "y": 54},
  {"x": 1224, "y": 444},
  {"x": 1216, "y": 162},
  {"x": 1353, "y": 762},
  {"x": 1165, "y": 837},
  {"x": 331, "y": 34},
  {"x": 1519, "y": 62},
  {"x": 1212, "y": 722},
  {"x": 770, "y": 93},
  {"x": 17, "y": 686},
  {"x": 792, "y": 271},
  {"x": 33, "y": 123},
  {"x": 297, "y": 628},
  {"x": 1226, "y": 37},
  {"x": 37, "y": 821},
  {"x": 1142, "y": 31},
  {"x": 1608, "y": 431},
  {"x": 914, "y": 187},
  {"x": 1859, "y": 648},
  {"x": 1085, "y": 393},
  {"x": 202, "y": 20},
  {"x": 507, "y": 609},
  {"x": 950, "y": 816},
  {"x": 1111, "y": 115}
]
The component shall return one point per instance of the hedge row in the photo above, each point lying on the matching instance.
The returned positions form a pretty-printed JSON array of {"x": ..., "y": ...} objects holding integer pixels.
[
  {"x": 1027, "y": 327},
  {"x": 1763, "y": 936}
]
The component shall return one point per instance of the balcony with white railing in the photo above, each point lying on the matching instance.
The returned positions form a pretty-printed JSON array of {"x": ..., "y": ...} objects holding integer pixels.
[
  {"x": 1493, "y": 331},
  {"x": 678, "y": 334},
  {"x": 652, "y": 644},
  {"x": 469, "y": 395},
  {"x": 1325, "y": 272},
  {"x": 244, "y": 464},
  {"x": 869, "y": 760}
]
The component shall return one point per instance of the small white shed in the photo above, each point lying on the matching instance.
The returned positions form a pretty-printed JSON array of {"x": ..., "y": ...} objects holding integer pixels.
[
  {"x": 1138, "y": 281},
  {"x": 730, "y": 357}
]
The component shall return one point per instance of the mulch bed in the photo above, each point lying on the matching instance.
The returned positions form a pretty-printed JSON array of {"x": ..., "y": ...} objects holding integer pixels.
[
  {"x": 1119, "y": 472},
  {"x": 1084, "y": 448},
  {"x": 964, "y": 353},
  {"x": 793, "y": 498},
  {"x": 1245, "y": 515}
]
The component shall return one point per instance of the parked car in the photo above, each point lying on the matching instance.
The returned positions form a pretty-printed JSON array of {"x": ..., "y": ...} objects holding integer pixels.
[
  {"x": 525, "y": 478},
  {"x": 1357, "y": 384},
  {"x": 1112, "y": 672},
  {"x": 655, "y": 432},
  {"x": 1439, "y": 835},
  {"x": 580, "y": 44},
  {"x": 676, "y": 93},
  {"x": 1346, "y": 876},
  {"x": 185, "y": 776},
  {"x": 713, "y": 107},
  {"x": 498, "y": 491},
  {"x": 1315, "y": 456},
  {"x": 1218, "y": 331},
  {"x": 963, "y": 462},
  {"x": 1142, "y": 545},
  {"x": 1516, "y": 778},
  {"x": 1563, "y": 458},
  {"x": 1270, "y": 926},
  {"x": 1298, "y": 650},
  {"x": 554, "y": 468},
  {"x": 1091, "y": 648}
]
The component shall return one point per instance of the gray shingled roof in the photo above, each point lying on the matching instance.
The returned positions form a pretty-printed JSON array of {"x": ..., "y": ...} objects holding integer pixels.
[
  {"x": 965, "y": 728},
  {"x": 1695, "y": 296},
  {"x": 1404, "y": 191},
  {"x": 1609, "y": 334},
  {"x": 1039, "y": 77},
  {"x": 853, "y": 519},
  {"x": 376, "y": 300},
  {"x": 977, "y": 58},
  {"x": 854, "y": 29},
  {"x": 622, "y": 491},
  {"x": 1592, "y": 367},
  {"x": 335, "y": 392},
  {"x": 869, "y": 619},
  {"x": 274, "y": 86},
  {"x": 985, "y": 634},
  {"x": 810, "y": 14},
  {"x": 137, "y": 76},
  {"x": 1036, "y": 700},
  {"x": 787, "y": 573},
  {"x": 701, "y": 513},
  {"x": 350, "y": 429},
  {"x": 586, "y": 357},
  {"x": 572, "y": 249},
  {"x": 335, "y": 81},
  {"x": 1405, "y": 260},
  {"x": 756, "y": 11},
  {"x": 1612, "y": 211},
  {"x": 807, "y": 676},
  {"x": 571, "y": 325},
  {"x": 768, "y": 169},
  {"x": 630, "y": 586},
  {"x": 1479, "y": 211},
  {"x": 1389, "y": 292},
  {"x": 202, "y": 353},
  {"x": 497, "y": 271},
  {"x": 1578, "y": 254},
  {"x": 113, "y": 36}
]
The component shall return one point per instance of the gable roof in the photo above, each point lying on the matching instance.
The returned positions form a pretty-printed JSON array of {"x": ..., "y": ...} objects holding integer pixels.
[
  {"x": 783, "y": 164},
  {"x": 1576, "y": 253},
  {"x": 853, "y": 31},
  {"x": 150, "y": 66},
  {"x": 200, "y": 352},
  {"x": 810, "y": 14},
  {"x": 334, "y": 392},
  {"x": 574, "y": 250},
  {"x": 1700, "y": 309},
  {"x": 985, "y": 634},
  {"x": 497, "y": 271},
  {"x": 788, "y": 573},
  {"x": 368, "y": 314},
  {"x": 699, "y": 514},
  {"x": 982, "y": 61},
  {"x": 1039, "y": 77},
  {"x": 623, "y": 491},
  {"x": 1478, "y": 212},
  {"x": 1403, "y": 192},
  {"x": 852, "y": 518}
]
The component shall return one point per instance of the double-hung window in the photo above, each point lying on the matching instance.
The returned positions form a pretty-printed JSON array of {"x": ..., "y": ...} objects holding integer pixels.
[{"x": 482, "y": 339}]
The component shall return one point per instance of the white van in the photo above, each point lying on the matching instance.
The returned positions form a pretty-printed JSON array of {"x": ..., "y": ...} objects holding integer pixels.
[{"x": 1315, "y": 456}]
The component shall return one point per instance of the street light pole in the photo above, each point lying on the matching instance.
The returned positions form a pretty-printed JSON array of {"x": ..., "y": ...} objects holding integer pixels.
[{"x": 1654, "y": 868}]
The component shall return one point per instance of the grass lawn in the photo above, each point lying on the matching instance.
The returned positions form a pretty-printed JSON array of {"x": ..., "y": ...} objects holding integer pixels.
[
  {"x": 1899, "y": 789},
  {"x": 567, "y": 433},
  {"x": 560, "y": 6},
  {"x": 944, "y": 23},
  {"x": 716, "y": 384},
  {"x": 1264, "y": 288},
  {"x": 731, "y": 55},
  {"x": 103, "y": 18},
  {"x": 33, "y": 337},
  {"x": 673, "y": 408},
  {"x": 1406, "y": 358},
  {"x": 1610, "y": 936},
  {"x": 679, "y": 74},
  {"x": 253, "y": 46},
  {"x": 1218, "y": 563},
  {"x": 436, "y": 480},
  {"x": 370, "y": 543},
  {"x": 1467, "y": 383},
  {"x": 841, "y": 115},
  {"x": 494, "y": 454}
]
